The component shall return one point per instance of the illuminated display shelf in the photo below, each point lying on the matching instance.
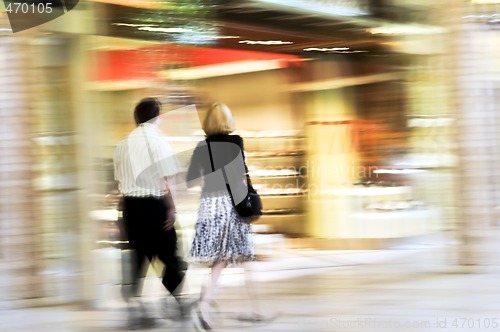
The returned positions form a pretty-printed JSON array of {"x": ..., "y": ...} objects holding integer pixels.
[{"x": 275, "y": 162}]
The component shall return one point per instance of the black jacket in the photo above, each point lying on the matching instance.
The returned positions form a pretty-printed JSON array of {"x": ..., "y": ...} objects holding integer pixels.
[{"x": 226, "y": 152}]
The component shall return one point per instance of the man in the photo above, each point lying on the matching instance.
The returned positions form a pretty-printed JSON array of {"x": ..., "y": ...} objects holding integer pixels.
[{"x": 144, "y": 168}]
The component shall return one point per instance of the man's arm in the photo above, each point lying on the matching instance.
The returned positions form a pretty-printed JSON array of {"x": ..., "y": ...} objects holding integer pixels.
[
  {"x": 169, "y": 201},
  {"x": 167, "y": 167},
  {"x": 116, "y": 161}
]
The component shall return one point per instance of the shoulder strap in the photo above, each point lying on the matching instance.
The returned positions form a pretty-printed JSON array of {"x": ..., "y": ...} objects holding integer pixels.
[
  {"x": 147, "y": 144},
  {"x": 149, "y": 151},
  {"x": 222, "y": 169}
]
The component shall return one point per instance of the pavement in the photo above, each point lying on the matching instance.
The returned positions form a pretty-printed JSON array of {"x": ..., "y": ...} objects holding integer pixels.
[{"x": 414, "y": 286}]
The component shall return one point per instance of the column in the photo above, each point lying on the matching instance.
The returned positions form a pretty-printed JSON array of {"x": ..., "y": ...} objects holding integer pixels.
[{"x": 20, "y": 245}]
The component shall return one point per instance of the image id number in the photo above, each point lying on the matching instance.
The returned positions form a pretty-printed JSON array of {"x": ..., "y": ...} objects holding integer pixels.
[
  {"x": 25, "y": 8},
  {"x": 475, "y": 323}
]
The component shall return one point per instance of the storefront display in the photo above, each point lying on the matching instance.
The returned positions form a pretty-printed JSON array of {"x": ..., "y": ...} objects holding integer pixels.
[{"x": 275, "y": 161}]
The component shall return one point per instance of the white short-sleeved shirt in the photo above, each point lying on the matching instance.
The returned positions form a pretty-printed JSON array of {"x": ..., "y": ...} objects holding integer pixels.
[{"x": 142, "y": 160}]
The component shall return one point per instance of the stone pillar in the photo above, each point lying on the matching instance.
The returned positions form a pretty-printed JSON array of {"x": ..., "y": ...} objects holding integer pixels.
[
  {"x": 332, "y": 157},
  {"x": 20, "y": 245},
  {"x": 476, "y": 63}
]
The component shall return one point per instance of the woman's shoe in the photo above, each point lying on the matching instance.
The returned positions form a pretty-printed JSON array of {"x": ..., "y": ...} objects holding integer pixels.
[
  {"x": 204, "y": 325},
  {"x": 256, "y": 318}
]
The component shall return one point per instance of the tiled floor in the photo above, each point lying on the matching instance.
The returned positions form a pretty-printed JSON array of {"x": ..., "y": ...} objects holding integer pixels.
[{"x": 416, "y": 288}]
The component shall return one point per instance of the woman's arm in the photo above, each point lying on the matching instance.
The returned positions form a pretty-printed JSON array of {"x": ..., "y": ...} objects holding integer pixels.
[
  {"x": 193, "y": 176},
  {"x": 239, "y": 141}
]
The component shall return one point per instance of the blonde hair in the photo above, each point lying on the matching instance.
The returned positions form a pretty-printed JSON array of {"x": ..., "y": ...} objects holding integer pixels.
[{"x": 218, "y": 120}]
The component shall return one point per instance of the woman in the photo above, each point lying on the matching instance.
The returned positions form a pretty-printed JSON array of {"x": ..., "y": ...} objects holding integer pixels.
[{"x": 221, "y": 237}]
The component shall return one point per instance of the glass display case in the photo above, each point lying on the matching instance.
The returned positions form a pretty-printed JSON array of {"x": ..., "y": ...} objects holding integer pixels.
[{"x": 382, "y": 210}]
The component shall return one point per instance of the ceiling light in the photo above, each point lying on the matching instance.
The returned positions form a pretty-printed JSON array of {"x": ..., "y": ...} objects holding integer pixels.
[
  {"x": 406, "y": 29},
  {"x": 340, "y": 8},
  {"x": 326, "y": 49},
  {"x": 228, "y": 37},
  {"x": 332, "y": 50},
  {"x": 265, "y": 42},
  {"x": 131, "y": 25},
  {"x": 167, "y": 30}
]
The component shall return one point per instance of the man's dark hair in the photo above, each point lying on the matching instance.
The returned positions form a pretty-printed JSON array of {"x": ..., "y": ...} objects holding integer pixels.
[{"x": 147, "y": 109}]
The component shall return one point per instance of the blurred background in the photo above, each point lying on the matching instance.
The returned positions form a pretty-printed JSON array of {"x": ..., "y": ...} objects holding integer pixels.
[{"x": 369, "y": 125}]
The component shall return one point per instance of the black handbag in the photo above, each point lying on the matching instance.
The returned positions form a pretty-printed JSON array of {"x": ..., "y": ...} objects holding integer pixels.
[{"x": 250, "y": 208}]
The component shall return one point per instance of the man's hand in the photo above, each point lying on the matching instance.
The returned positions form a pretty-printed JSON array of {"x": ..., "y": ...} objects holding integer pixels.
[{"x": 170, "y": 221}]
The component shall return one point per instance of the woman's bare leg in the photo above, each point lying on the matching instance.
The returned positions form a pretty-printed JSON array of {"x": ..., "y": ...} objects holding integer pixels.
[
  {"x": 252, "y": 290},
  {"x": 208, "y": 291}
]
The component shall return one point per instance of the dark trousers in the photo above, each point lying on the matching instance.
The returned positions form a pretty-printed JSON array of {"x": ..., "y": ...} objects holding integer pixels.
[{"x": 144, "y": 219}]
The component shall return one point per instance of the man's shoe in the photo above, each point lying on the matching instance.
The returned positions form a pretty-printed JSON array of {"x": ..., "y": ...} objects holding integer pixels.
[
  {"x": 140, "y": 323},
  {"x": 147, "y": 322},
  {"x": 138, "y": 317},
  {"x": 186, "y": 307}
]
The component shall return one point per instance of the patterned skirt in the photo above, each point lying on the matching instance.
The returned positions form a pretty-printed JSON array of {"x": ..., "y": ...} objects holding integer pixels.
[{"x": 220, "y": 233}]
